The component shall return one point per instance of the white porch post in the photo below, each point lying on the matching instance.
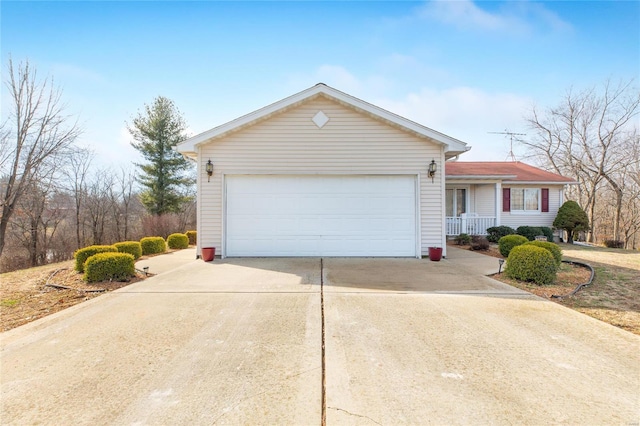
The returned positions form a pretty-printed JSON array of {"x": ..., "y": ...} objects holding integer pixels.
[{"x": 498, "y": 202}]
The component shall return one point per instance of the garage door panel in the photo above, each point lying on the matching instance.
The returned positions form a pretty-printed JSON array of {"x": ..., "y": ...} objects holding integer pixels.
[{"x": 320, "y": 216}]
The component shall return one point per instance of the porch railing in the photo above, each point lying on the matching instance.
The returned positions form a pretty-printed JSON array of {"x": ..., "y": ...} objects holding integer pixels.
[{"x": 469, "y": 225}]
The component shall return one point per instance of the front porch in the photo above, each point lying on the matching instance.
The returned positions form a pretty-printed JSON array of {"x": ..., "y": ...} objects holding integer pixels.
[
  {"x": 469, "y": 224},
  {"x": 472, "y": 206}
]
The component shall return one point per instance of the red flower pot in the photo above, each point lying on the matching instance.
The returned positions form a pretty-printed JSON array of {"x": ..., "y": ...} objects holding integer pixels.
[
  {"x": 435, "y": 253},
  {"x": 208, "y": 253}
]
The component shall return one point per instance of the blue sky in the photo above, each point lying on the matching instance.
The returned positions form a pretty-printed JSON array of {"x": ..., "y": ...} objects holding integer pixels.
[{"x": 460, "y": 67}]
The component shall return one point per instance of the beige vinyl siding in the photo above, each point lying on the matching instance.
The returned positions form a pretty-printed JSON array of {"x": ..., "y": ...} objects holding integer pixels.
[
  {"x": 471, "y": 199},
  {"x": 351, "y": 142},
  {"x": 485, "y": 199},
  {"x": 536, "y": 219}
]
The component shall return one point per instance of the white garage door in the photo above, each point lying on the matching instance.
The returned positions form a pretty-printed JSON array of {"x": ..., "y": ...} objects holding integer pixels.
[{"x": 320, "y": 215}]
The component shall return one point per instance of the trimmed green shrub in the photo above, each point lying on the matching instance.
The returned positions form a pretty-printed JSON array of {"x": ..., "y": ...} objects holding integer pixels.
[
  {"x": 478, "y": 242},
  {"x": 153, "y": 245},
  {"x": 462, "y": 239},
  {"x": 109, "y": 266},
  {"x": 193, "y": 237},
  {"x": 506, "y": 243},
  {"x": 614, "y": 243},
  {"x": 497, "y": 232},
  {"x": 132, "y": 247},
  {"x": 531, "y": 232},
  {"x": 178, "y": 241},
  {"x": 81, "y": 255},
  {"x": 553, "y": 248},
  {"x": 530, "y": 263}
]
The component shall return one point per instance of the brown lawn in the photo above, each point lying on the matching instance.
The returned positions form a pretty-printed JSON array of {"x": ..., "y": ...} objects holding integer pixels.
[{"x": 614, "y": 295}]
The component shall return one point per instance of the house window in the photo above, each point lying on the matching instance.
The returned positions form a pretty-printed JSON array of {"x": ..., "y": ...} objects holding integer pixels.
[
  {"x": 456, "y": 202},
  {"x": 525, "y": 199}
]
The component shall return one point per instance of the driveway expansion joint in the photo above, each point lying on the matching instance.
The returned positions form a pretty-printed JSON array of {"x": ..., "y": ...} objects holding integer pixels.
[{"x": 324, "y": 369}]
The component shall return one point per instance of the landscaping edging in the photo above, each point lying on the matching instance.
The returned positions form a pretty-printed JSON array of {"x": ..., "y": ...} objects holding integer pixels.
[{"x": 579, "y": 286}]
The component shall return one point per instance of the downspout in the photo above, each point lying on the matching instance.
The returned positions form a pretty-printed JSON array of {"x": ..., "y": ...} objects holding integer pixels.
[
  {"x": 198, "y": 203},
  {"x": 443, "y": 220}
]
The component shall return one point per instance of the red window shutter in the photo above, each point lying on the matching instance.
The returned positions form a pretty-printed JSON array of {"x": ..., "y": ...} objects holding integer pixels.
[
  {"x": 506, "y": 199},
  {"x": 545, "y": 200}
]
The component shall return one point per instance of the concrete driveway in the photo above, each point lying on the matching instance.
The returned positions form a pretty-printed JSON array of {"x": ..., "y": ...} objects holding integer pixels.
[{"x": 240, "y": 341}]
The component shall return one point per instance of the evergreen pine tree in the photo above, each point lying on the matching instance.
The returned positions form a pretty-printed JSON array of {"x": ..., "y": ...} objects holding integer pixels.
[
  {"x": 571, "y": 218},
  {"x": 165, "y": 174}
]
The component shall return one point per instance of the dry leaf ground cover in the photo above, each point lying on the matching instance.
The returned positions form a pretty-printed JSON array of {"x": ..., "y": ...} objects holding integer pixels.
[
  {"x": 25, "y": 295},
  {"x": 614, "y": 295}
]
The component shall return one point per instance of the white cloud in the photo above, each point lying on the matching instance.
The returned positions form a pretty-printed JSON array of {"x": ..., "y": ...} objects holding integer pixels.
[
  {"x": 513, "y": 17},
  {"x": 462, "y": 112},
  {"x": 465, "y": 113},
  {"x": 337, "y": 76},
  {"x": 114, "y": 147},
  {"x": 463, "y": 14},
  {"x": 341, "y": 79},
  {"x": 70, "y": 71}
]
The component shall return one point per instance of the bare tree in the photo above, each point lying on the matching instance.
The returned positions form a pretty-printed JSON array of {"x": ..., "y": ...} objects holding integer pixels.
[
  {"x": 587, "y": 137},
  {"x": 98, "y": 205},
  {"x": 36, "y": 130},
  {"x": 122, "y": 198},
  {"x": 77, "y": 171},
  {"x": 39, "y": 215}
]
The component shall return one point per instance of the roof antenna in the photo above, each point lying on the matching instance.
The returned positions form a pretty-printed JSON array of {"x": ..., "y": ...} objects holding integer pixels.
[{"x": 511, "y": 135}]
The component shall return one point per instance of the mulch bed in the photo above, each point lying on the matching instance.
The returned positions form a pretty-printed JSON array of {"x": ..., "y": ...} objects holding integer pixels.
[
  {"x": 50, "y": 292},
  {"x": 568, "y": 278}
]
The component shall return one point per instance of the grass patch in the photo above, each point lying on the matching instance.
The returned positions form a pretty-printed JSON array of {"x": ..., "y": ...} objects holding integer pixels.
[
  {"x": 614, "y": 295},
  {"x": 9, "y": 303}
]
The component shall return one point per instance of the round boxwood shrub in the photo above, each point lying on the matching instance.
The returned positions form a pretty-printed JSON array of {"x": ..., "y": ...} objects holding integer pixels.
[
  {"x": 178, "y": 241},
  {"x": 109, "y": 266},
  {"x": 153, "y": 245},
  {"x": 132, "y": 247},
  {"x": 506, "y": 243},
  {"x": 531, "y": 232},
  {"x": 553, "y": 248},
  {"x": 81, "y": 255},
  {"x": 193, "y": 237},
  {"x": 497, "y": 232},
  {"x": 530, "y": 263}
]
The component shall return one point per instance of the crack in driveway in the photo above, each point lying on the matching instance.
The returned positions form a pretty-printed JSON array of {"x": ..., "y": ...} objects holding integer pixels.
[{"x": 353, "y": 414}]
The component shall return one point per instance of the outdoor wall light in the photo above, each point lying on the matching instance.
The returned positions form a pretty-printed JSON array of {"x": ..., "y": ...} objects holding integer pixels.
[
  {"x": 433, "y": 167},
  {"x": 209, "y": 169},
  {"x": 500, "y": 262}
]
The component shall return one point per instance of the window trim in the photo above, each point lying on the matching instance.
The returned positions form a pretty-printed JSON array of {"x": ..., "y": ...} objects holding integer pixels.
[
  {"x": 467, "y": 198},
  {"x": 524, "y": 189}
]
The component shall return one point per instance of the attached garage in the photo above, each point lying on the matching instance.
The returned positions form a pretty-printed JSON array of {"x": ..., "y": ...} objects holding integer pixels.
[
  {"x": 305, "y": 215},
  {"x": 321, "y": 173}
]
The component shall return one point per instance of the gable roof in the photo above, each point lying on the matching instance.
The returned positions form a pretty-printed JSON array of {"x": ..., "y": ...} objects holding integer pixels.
[
  {"x": 453, "y": 146},
  {"x": 507, "y": 171}
]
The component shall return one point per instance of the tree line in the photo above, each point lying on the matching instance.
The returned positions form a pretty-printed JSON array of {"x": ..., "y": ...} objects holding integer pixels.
[
  {"x": 56, "y": 200},
  {"x": 592, "y": 136}
]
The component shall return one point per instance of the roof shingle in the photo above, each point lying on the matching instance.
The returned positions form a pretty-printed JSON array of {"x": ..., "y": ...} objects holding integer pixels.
[{"x": 508, "y": 169}]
